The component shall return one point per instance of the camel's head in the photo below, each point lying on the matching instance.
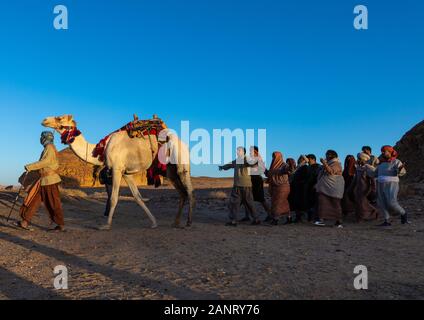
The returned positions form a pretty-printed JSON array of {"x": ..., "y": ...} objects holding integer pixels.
[
  {"x": 60, "y": 123},
  {"x": 65, "y": 125}
]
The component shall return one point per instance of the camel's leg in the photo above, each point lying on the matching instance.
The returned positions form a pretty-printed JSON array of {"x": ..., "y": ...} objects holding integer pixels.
[
  {"x": 182, "y": 202},
  {"x": 178, "y": 186},
  {"x": 116, "y": 184},
  {"x": 130, "y": 173},
  {"x": 188, "y": 190},
  {"x": 137, "y": 196},
  {"x": 192, "y": 204}
]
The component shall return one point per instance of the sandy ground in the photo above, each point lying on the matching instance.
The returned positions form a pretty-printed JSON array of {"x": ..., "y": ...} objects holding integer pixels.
[{"x": 209, "y": 260}]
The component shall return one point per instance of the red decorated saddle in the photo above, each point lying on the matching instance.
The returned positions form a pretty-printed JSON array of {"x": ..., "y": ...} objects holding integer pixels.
[{"x": 135, "y": 129}]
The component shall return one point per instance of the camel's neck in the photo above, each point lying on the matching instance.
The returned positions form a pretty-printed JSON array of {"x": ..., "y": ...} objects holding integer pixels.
[{"x": 84, "y": 150}]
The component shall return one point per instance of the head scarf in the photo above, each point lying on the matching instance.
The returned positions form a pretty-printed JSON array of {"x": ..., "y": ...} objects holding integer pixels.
[
  {"x": 393, "y": 152},
  {"x": 364, "y": 157},
  {"x": 277, "y": 161},
  {"x": 349, "y": 166},
  {"x": 292, "y": 165},
  {"x": 276, "y": 177},
  {"x": 163, "y": 135},
  {"x": 46, "y": 138}
]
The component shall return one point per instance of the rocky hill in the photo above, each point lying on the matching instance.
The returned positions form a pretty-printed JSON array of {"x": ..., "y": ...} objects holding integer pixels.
[
  {"x": 411, "y": 152},
  {"x": 77, "y": 173}
]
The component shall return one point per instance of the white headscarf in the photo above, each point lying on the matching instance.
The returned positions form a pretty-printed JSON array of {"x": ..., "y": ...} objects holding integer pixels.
[
  {"x": 177, "y": 151},
  {"x": 364, "y": 157}
]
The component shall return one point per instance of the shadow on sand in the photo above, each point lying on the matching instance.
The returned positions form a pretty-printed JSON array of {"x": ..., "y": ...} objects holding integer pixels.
[
  {"x": 116, "y": 275},
  {"x": 27, "y": 289}
]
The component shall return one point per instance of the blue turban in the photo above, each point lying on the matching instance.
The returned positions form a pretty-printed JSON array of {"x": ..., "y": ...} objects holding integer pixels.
[{"x": 47, "y": 137}]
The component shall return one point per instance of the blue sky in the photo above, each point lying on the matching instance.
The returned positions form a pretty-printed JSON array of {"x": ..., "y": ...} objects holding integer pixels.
[{"x": 296, "y": 68}]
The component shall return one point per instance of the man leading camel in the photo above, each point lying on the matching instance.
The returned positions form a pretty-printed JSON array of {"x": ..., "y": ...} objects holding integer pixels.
[{"x": 46, "y": 189}]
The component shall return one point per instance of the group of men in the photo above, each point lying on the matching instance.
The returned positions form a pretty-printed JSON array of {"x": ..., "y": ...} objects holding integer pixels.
[{"x": 368, "y": 186}]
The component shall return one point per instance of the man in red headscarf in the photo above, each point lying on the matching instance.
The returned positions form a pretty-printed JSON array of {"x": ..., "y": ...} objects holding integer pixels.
[{"x": 387, "y": 173}]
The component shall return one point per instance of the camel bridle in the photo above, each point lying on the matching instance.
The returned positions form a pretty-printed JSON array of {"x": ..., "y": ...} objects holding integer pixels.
[
  {"x": 69, "y": 134},
  {"x": 68, "y": 137}
]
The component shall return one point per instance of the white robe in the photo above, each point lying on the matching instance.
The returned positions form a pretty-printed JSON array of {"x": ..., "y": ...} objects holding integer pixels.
[{"x": 176, "y": 152}]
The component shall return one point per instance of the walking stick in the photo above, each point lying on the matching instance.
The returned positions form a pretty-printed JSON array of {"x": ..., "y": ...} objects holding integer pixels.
[{"x": 17, "y": 196}]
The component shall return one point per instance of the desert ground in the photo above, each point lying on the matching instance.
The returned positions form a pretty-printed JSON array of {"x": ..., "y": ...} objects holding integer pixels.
[{"x": 208, "y": 260}]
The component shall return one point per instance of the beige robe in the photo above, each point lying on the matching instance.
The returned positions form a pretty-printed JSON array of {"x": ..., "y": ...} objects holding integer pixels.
[{"x": 47, "y": 166}]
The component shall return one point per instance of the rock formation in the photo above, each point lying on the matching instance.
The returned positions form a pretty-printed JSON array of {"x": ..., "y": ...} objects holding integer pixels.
[
  {"x": 411, "y": 152},
  {"x": 77, "y": 173}
]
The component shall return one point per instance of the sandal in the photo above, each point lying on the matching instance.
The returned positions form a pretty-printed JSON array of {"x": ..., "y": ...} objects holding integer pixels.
[
  {"x": 57, "y": 229},
  {"x": 19, "y": 225}
]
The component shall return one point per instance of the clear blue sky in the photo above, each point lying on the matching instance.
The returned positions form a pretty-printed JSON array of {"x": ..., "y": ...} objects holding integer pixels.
[{"x": 297, "y": 68}]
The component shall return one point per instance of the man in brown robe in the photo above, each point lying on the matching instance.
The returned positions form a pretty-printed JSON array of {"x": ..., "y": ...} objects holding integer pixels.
[
  {"x": 361, "y": 188},
  {"x": 46, "y": 189},
  {"x": 330, "y": 189},
  {"x": 279, "y": 187}
]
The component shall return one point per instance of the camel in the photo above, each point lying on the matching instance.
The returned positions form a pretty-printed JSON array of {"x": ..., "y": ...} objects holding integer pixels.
[{"x": 126, "y": 156}]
